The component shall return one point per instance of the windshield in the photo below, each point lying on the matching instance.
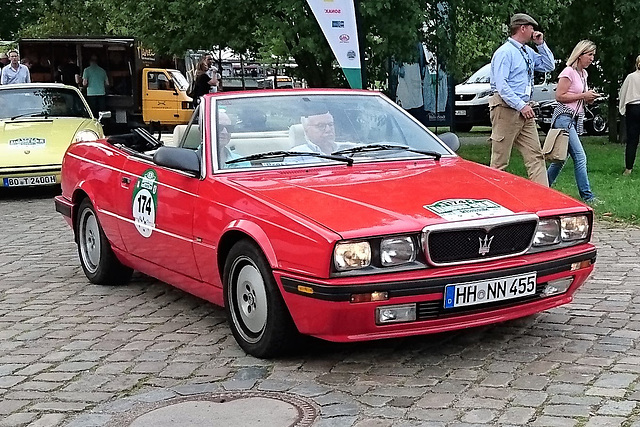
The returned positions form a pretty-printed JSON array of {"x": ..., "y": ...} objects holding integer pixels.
[
  {"x": 308, "y": 128},
  {"x": 41, "y": 102},
  {"x": 179, "y": 79},
  {"x": 480, "y": 76}
]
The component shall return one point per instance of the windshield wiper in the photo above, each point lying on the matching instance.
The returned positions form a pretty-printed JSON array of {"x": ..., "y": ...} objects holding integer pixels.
[
  {"x": 272, "y": 154},
  {"x": 382, "y": 147},
  {"x": 45, "y": 115}
]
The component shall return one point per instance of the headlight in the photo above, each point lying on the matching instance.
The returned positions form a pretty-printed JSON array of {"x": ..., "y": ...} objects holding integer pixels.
[
  {"x": 574, "y": 227},
  {"x": 485, "y": 93},
  {"x": 86, "y": 135},
  {"x": 352, "y": 255},
  {"x": 397, "y": 250},
  {"x": 547, "y": 233}
]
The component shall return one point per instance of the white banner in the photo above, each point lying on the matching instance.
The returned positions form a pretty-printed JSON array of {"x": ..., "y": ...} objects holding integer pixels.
[{"x": 337, "y": 19}]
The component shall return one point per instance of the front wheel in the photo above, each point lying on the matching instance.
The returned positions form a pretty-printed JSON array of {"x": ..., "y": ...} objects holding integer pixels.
[
  {"x": 462, "y": 127},
  {"x": 257, "y": 314},
  {"x": 98, "y": 261}
]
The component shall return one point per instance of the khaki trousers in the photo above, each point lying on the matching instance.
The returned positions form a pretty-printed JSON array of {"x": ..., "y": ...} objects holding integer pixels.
[{"x": 509, "y": 128}]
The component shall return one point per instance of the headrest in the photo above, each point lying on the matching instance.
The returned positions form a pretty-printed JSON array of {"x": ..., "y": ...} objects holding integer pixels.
[{"x": 296, "y": 134}]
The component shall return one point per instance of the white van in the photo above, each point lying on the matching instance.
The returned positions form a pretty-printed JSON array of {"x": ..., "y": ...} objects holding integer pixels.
[{"x": 472, "y": 98}]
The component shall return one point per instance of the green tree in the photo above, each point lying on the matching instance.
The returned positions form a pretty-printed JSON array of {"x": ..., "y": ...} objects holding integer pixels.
[{"x": 613, "y": 26}]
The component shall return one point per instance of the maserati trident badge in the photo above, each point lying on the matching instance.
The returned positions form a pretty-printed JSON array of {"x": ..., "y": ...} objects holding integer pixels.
[{"x": 485, "y": 244}]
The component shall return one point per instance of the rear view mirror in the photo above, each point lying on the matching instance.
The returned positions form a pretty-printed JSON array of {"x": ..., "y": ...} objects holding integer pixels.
[
  {"x": 104, "y": 115},
  {"x": 182, "y": 159},
  {"x": 450, "y": 140}
]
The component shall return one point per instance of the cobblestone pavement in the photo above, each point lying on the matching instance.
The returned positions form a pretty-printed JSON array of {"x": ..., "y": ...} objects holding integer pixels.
[{"x": 69, "y": 348}]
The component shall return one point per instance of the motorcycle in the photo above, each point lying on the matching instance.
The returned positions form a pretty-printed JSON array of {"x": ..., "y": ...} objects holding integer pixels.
[{"x": 595, "y": 121}]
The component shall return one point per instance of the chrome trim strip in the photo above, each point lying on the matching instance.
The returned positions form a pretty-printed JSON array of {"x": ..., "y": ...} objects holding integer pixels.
[{"x": 485, "y": 223}]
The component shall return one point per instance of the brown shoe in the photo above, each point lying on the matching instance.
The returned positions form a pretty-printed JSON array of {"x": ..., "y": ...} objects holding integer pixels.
[{"x": 627, "y": 172}]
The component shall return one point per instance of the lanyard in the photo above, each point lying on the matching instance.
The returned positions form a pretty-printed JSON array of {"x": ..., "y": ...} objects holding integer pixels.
[{"x": 527, "y": 59}]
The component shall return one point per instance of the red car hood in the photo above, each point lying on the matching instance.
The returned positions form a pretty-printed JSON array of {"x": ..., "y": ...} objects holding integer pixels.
[{"x": 372, "y": 199}]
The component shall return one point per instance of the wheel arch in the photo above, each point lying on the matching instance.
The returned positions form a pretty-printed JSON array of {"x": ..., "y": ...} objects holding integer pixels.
[
  {"x": 76, "y": 199},
  {"x": 245, "y": 230}
]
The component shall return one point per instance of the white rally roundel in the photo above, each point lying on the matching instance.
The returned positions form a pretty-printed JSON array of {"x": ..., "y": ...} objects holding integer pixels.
[{"x": 144, "y": 212}]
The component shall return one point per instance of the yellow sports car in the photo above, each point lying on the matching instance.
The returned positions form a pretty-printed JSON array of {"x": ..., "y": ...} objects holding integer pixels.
[{"x": 38, "y": 121}]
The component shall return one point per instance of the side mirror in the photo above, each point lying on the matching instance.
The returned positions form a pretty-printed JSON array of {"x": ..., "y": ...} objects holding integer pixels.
[
  {"x": 182, "y": 159},
  {"x": 104, "y": 115},
  {"x": 450, "y": 140}
]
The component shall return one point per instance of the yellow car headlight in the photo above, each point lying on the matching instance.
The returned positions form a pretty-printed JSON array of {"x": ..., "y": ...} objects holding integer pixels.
[
  {"x": 352, "y": 255},
  {"x": 574, "y": 227},
  {"x": 85, "y": 135}
]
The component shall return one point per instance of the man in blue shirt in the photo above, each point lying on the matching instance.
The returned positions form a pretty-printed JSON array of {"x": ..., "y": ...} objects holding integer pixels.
[
  {"x": 512, "y": 118},
  {"x": 15, "y": 72}
]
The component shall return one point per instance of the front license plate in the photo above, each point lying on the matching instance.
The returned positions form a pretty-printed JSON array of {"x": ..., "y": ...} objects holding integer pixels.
[
  {"x": 29, "y": 180},
  {"x": 485, "y": 291},
  {"x": 461, "y": 113}
]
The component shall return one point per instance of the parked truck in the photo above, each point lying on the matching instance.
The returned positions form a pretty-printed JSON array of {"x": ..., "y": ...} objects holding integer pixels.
[{"x": 142, "y": 88}]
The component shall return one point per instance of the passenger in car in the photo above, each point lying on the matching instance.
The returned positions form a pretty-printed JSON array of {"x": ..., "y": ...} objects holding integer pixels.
[{"x": 224, "y": 129}]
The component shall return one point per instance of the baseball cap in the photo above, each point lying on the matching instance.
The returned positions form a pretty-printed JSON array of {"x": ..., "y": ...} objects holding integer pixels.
[{"x": 523, "y": 19}]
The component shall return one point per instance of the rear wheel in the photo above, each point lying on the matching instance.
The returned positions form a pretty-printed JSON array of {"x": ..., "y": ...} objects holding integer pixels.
[
  {"x": 257, "y": 314},
  {"x": 544, "y": 127},
  {"x": 598, "y": 125},
  {"x": 98, "y": 261}
]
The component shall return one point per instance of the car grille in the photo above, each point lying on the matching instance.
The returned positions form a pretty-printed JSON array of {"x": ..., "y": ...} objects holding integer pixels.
[
  {"x": 429, "y": 310},
  {"x": 474, "y": 244}
]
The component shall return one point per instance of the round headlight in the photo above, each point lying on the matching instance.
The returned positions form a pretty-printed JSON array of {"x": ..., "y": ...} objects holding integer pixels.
[
  {"x": 397, "y": 250},
  {"x": 547, "y": 233},
  {"x": 86, "y": 135},
  {"x": 352, "y": 255}
]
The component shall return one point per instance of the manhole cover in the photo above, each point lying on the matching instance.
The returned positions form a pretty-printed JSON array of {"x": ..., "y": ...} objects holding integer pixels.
[{"x": 226, "y": 409}]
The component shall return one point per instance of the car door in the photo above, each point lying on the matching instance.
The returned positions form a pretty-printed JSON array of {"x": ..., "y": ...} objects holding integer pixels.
[
  {"x": 160, "y": 101},
  {"x": 158, "y": 209}
]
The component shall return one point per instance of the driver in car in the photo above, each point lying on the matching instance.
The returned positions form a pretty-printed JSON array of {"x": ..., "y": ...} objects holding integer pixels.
[{"x": 319, "y": 133}]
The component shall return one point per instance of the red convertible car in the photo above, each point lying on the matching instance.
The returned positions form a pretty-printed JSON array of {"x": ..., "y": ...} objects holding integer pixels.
[{"x": 327, "y": 213}]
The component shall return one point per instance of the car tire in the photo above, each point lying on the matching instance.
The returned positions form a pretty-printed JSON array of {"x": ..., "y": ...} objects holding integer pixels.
[
  {"x": 544, "y": 127},
  {"x": 98, "y": 261},
  {"x": 597, "y": 126},
  {"x": 462, "y": 127},
  {"x": 257, "y": 314}
]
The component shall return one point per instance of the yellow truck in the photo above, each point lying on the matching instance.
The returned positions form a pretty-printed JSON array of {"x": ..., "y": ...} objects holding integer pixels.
[{"x": 142, "y": 88}]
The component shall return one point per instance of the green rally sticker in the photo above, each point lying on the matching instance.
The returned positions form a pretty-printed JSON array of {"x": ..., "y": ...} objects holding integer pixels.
[{"x": 145, "y": 202}]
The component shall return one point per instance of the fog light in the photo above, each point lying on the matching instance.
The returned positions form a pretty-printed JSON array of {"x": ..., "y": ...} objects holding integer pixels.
[
  {"x": 559, "y": 286},
  {"x": 395, "y": 313}
]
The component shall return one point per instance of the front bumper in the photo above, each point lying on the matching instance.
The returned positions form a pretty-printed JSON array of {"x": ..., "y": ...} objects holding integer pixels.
[{"x": 324, "y": 310}]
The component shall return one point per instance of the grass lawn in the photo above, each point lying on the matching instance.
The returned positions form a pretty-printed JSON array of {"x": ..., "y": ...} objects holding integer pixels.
[{"x": 605, "y": 162}]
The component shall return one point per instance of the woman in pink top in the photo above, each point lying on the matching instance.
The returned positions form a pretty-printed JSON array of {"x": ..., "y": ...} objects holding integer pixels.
[{"x": 572, "y": 92}]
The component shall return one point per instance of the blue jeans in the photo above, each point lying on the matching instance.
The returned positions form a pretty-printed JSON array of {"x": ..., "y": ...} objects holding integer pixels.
[{"x": 577, "y": 154}]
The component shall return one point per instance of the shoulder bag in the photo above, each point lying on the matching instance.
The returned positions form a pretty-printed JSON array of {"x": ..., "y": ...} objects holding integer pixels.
[{"x": 556, "y": 143}]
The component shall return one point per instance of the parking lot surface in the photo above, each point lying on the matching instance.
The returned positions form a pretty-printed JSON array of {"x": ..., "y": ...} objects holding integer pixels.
[{"x": 73, "y": 353}]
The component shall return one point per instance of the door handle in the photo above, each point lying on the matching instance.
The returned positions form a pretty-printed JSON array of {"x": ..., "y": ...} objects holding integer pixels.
[{"x": 125, "y": 182}]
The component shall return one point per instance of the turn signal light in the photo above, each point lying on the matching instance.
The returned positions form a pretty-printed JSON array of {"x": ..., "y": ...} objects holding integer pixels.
[
  {"x": 373, "y": 296},
  {"x": 582, "y": 264}
]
